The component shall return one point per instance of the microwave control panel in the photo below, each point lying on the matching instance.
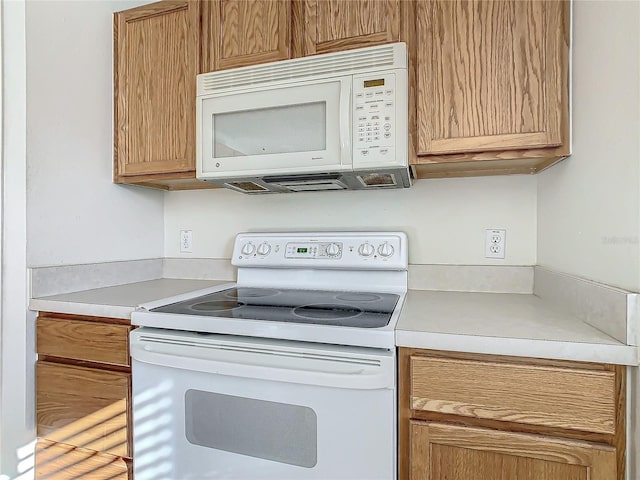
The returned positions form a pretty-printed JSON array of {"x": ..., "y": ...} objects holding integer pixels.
[{"x": 374, "y": 117}]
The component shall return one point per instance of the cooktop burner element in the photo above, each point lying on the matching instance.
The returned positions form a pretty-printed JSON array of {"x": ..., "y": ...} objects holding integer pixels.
[
  {"x": 358, "y": 297},
  {"x": 218, "y": 306},
  {"x": 250, "y": 292},
  {"x": 345, "y": 309},
  {"x": 324, "y": 311}
]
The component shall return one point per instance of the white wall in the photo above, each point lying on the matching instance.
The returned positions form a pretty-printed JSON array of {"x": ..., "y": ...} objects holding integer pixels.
[
  {"x": 17, "y": 399},
  {"x": 589, "y": 205},
  {"x": 59, "y": 206},
  {"x": 445, "y": 219},
  {"x": 75, "y": 213}
]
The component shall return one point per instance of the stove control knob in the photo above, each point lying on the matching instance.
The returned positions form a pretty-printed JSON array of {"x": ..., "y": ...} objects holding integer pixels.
[
  {"x": 333, "y": 249},
  {"x": 264, "y": 249},
  {"x": 366, "y": 250},
  {"x": 248, "y": 248},
  {"x": 385, "y": 250}
]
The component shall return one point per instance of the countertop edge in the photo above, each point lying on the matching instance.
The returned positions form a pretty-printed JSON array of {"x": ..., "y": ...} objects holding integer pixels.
[
  {"x": 90, "y": 309},
  {"x": 519, "y": 347}
]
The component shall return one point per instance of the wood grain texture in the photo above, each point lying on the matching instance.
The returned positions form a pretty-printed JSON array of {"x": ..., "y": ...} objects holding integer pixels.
[
  {"x": 440, "y": 451},
  {"x": 620, "y": 441},
  {"x": 459, "y": 168},
  {"x": 156, "y": 61},
  {"x": 86, "y": 318},
  {"x": 168, "y": 181},
  {"x": 492, "y": 75},
  {"x": 84, "y": 407},
  {"x": 405, "y": 445},
  {"x": 237, "y": 33},
  {"x": 335, "y": 25},
  {"x": 408, "y": 35},
  {"x": 549, "y": 396},
  {"x": 59, "y": 461},
  {"x": 82, "y": 340},
  {"x": 404, "y": 415}
]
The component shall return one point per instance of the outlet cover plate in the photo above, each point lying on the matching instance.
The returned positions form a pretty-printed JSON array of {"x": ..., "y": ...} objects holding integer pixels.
[
  {"x": 495, "y": 243},
  {"x": 186, "y": 241}
]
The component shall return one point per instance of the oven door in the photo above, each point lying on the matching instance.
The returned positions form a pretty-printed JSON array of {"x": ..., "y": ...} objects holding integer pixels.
[
  {"x": 206, "y": 407},
  {"x": 301, "y": 128}
]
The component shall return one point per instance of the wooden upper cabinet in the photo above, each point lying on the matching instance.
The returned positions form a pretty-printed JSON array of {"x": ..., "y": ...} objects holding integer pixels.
[
  {"x": 156, "y": 62},
  {"x": 334, "y": 25},
  {"x": 236, "y": 33},
  {"x": 492, "y": 75},
  {"x": 442, "y": 451}
]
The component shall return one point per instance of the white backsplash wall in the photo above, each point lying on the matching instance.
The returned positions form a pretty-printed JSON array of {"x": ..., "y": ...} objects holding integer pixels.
[
  {"x": 445, "y": 219},
  {"x": 75, "y": 214},
  {"x": 589, "y": 204}
]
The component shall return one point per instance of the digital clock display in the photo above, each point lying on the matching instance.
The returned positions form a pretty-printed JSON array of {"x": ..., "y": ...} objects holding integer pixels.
[
  {"x": 374, "y": 83},
  {"x": 302, "y": 250}
]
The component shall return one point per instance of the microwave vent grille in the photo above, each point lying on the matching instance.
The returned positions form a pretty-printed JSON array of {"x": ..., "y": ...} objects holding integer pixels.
[{"x": 347, "y": 62}]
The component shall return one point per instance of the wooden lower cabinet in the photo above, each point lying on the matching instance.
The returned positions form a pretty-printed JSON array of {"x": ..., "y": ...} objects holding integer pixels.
[
  {"x": 85, "y": 407},
  {"x": 83, "y": 398},
  {"x": 486, "y": 417},
  {"x": 442, "y": 451},
  {"x": 59, "y": 461}
]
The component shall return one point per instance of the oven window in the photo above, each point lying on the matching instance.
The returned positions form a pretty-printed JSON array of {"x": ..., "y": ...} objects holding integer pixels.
[
  {"x": 269, "y": 430},
  {"x": 288, "y": 129}
]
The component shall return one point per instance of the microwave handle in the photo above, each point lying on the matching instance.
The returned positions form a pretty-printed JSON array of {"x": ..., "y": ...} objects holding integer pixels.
[{"x": 346, "y": 92}]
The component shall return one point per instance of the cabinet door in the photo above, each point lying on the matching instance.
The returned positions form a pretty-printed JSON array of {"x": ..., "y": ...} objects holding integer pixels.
[
  {"x": 84, "y": 407},
  {"x": 491, "y": 75},
  {"x": 237, "y": 33},
  {"x": 59, "y": 461},
  {"x": 334, "y": 25},
  {"x": 156, "y": 58},
  {"x": 440, "y": 452}
]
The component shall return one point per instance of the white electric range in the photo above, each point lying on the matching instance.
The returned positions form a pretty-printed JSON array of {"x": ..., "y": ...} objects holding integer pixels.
[{"x": 287, "y": 374}]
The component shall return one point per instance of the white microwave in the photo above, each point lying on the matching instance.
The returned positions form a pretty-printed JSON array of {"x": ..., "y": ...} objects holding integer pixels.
[{"x": 336, "y": 121}]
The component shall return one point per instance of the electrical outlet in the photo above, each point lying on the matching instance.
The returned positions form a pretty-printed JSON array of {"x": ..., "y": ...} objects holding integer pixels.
[
  {"x": 186, "y": 238},
  {"x": 495, "y": 243}
]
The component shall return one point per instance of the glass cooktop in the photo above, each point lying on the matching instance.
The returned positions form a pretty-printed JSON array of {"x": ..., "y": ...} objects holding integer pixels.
[{"x": 345, "y": 309}]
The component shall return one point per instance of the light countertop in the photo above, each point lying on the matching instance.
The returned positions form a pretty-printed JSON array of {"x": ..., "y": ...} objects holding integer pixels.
[
  {"x": 118, "y": 301},
  {"x": 503, "y": 324},
  {"x": 490, "y": 323}
]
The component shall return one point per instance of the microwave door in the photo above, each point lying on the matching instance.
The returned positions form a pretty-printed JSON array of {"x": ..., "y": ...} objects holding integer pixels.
[{"x": 303, "y": 129}]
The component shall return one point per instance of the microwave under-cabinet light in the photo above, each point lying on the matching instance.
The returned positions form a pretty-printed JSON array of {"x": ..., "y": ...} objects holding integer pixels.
[{"x": 378, "y": 180}]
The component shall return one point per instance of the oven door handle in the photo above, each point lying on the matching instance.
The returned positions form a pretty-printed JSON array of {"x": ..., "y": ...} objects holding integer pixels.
[{"x": 350, "y": 373}]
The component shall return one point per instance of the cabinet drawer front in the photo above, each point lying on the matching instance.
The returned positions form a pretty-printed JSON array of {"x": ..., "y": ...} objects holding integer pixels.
[
  {"x": 59, "y": 461},
  {"x": 84, "y": 407},
  {"x": 83, "y": 340},
  {"x": 569, "y": 398}
]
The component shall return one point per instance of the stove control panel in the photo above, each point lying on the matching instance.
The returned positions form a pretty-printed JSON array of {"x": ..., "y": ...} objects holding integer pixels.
[
  {"x": 313, "y": 250},
  {"x": 341, "y": 250}
]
